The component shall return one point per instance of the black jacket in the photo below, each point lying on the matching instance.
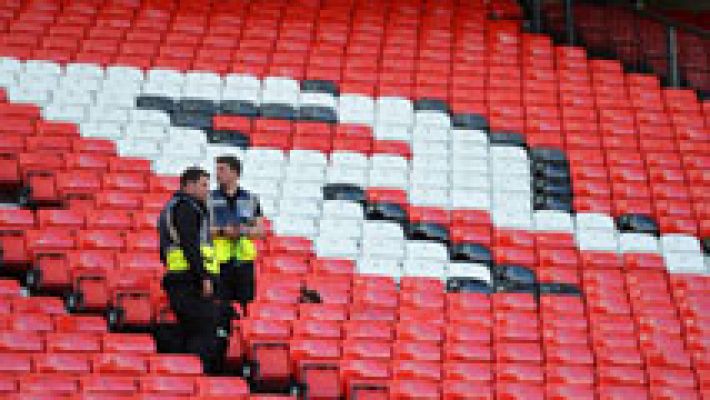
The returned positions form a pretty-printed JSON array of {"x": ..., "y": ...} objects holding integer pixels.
[{"x": 187, "y": 215}]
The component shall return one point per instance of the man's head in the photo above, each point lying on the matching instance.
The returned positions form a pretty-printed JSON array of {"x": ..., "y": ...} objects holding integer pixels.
[
  {"x": 229, "y": 168},
  {"x": 195, "y": 182}
]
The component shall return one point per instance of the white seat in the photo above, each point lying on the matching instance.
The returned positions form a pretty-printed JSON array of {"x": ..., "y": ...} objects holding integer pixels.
[
  {"x": 301, "y": 190},
  {"x": 382, "y": 230},
  {"x": 25, "y": 95},
  {"x": 72, "y": 87},
  {"x": 394, "y": 110},
  {"x": 214, "y": 151},
  {"x": 471, "y": 166},
  {"x": 465, "y": 135},
  {"x": 269, "y": 206},
  {"x": 386, "y": 162},
  {"x": 139, "y": 148},
  {"x": 262, "y": 187},
  {"x": 549, "y": 220},
  {"x": 432, "y": 118},
  {"x": 279, "y": 97},
  {"x": 346, "y": 159},
  {"x": 336, "y": 247},
  {"x": 511, "y": 218},
  {"x": 379, "y": 266},
  {"x": 41, "y": 67},
  {"x": 84, "y": 70},
  {"x": 251, "y": 95},
  {"x": 188, "y": 136},
  {"x": 183, "y": 148},
  {"x": 676, "y": 243},
  {"x": 165, "y": 75},
  {"x": 203, "y": 78},
  {"x": 242, "y": 81},
  {"x": 341, "y": 209},
  {"x": 268, "y": 156},
  {"x": 10, "y": 64},
  {"x": 512, "y": 201},
  {"x": 597, "y": 240},
  {"x": 501, "y": 167},
  {"x": 116, "y": 99},
  {"x": 105, "y": 113},
  {"x": 587, "y": 221},
  {"x": 474, "y": 199},
  {"x": 392, "y": 132},
  {"x": 433, "y": 148},
  {"x": 197, "y": 91},
  {"x": 469, "y": 149},
  {"x": 508, "y": 153},
  {"x": 356, "y": 109},
  {"x": 301, "y": 207},
  {"x": 149, "y": 117},
  {"x": 105, "y": 130},
  {"x": 307, "y": 158},
  {"x": 475, "y": 271},
  {"x": 465, "y": 180},
  {"x": 261, "y": 171},
  {"x": 162, "y": 88},
  {"x": 8, "y": 78},
  {"x": 637, "y": 243},
  {"x": 65, "y": 112},
  {"x": 341, "y": 228},
  {"x": 395, "y": 178},
  {"x": 292, "y": 225},
  {"x": 429, "y": 178},
  {"x": 312, "y": 173},
  {"x": 124, "y": 73},
  {"x": 318, "y": 100},
  {"x": 280, "y": 84},
  {"x": 155, "y": 132},
  {"x": 511, "y": 183},
  {"x": 426, "y": 250},
  {"x": 430, "y": 163},
  {"x": 351, "y": 176},
  {"x": 424, "y": 269},
  {"x": 425, "y": 196},
  {"x": 685, "y": 262},
  {"x": 389, "y": 248}
]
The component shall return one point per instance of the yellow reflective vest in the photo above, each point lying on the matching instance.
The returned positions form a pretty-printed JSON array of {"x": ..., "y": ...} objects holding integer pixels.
[{"x": 171, "y": 250}]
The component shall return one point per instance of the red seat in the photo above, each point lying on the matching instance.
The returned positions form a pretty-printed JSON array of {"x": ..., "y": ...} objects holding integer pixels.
[
  {"x": 49, "y": 384},
  {"x": 108, "y": 220},
  {"x": 120, "y": 364},
  {"x": 168, "y": 385},
  {"x": 317, "y": 329},
  {"x": 128, "y": 343},
  {"x": 15, "y": 363},
  {"x": 62, "y": 363},
  {"x": 166, "y": 364},
  {"x": 73, "y": 342},
  {"x": 402, "y": 389},
  {"x": 222, "y": 388},
  {"x": 21, "y": 342},
  {"x": 109, "y": 385}
]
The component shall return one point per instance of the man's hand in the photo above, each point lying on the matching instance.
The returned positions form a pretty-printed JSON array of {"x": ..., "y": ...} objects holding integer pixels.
[
  {"x": 231, "y": 231},
  {"x": 207, "y": 289},
  {"x": 215, "y": 231}
]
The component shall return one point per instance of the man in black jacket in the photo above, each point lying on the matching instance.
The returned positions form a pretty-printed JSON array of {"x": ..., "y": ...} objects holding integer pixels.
[{"x": 192, "y": 274}]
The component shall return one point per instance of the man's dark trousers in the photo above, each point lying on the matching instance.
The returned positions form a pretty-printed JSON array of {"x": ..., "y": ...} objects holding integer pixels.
[
  {"x": 199, "y": 318},
  {"x": 238, "y": 281}
]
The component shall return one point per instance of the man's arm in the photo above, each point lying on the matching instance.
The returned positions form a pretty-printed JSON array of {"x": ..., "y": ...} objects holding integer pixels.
[
  {"x": 187, "y": 223},
  {"x": 258, "y": 229}
]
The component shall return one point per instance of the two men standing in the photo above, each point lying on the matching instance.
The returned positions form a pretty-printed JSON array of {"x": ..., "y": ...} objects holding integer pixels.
[{"x": 206, "y": 245}]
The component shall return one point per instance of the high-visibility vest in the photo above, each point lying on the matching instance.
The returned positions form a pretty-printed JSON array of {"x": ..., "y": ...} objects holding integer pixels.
[
  {"x": 226, "y": 249},
  {"x": 172, "y": 253}
]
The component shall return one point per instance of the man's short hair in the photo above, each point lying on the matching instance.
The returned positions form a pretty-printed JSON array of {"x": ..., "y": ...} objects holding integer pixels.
[
  {"x": 192, "y": 174},
  {"x": 232, "y": 162}
]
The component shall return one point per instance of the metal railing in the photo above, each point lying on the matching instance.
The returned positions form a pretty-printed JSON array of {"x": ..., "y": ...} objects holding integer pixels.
[{"x": 644, "y": 40}]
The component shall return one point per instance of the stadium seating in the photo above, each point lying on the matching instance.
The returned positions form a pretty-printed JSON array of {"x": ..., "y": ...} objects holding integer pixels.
[{"x": 484, "y": 214}]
